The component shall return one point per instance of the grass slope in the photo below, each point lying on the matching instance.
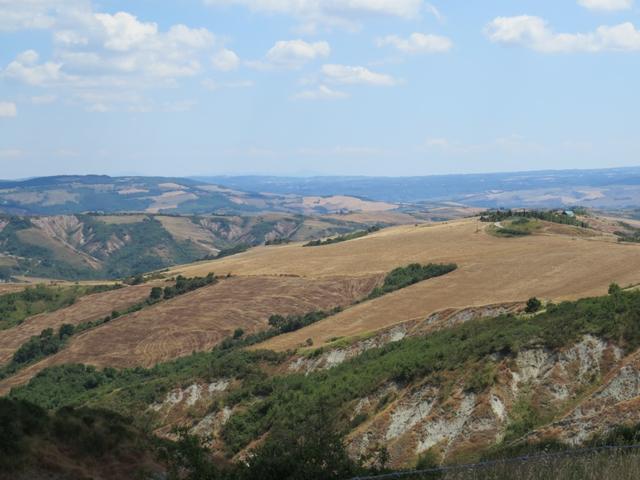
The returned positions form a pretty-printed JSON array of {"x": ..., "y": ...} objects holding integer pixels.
[{"x": 266, "y": 399}]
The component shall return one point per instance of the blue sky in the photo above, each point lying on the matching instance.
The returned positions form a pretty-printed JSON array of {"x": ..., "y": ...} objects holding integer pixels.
[{"x": 299, "y": 87}]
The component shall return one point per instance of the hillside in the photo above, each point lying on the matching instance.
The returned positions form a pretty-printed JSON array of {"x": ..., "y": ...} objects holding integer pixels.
[
  {"x": 456, "y": 393},
  {"x": 605, "y": 188},
  {"x": 554, "y": 266},
  {"x": 387, "y": 360},
  {"x": 66, "y": 195},
  {"x": 95, "y": 246}
]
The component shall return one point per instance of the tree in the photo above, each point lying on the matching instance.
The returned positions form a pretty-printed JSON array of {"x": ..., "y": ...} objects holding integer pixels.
[
  {"x": 188, "y": 458},
  {"x": 533, "y": 305},
  {"x": 614, "y": 289},
  {"x": 238, "y": 333},
  {"x": 66, "y": 330},
  {"x": 307, "y": 446},
  {"x": 156, "y": 293},
  {"x": 276, "y": 321}
]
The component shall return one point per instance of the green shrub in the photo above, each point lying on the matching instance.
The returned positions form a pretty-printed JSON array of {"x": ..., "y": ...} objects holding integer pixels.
[
  {"x": 533, "y": 305},
  {"x": 405, "y": 276}
]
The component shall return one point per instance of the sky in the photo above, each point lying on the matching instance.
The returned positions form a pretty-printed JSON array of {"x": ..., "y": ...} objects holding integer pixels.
[{"x": 317, "y": 87}]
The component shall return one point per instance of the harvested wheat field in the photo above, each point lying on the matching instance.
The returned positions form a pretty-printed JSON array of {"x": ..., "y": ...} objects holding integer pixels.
[
  {"x": 491, "y": 270},
  {"x": 86, "y": 309},
  {"x": 293, "y": 279},
  {"x": 199, "y": 320}
]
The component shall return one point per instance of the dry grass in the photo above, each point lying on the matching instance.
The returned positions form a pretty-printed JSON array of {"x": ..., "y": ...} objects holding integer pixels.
[
  {"x": 491, "y": 270},
  {"x": 183, "y": 229},
  {"x": 85, "y": 309},
  {"x": 291, "y": 279},
  {"x": 120, "y": 219},
  {"x": 343, "y": 202},
  {"x": 199, "y": 320},
  {"x": 388, "y": 217}
]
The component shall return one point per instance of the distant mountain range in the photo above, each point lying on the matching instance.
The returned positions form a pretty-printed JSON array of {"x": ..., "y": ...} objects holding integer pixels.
[
  {"x": 252, "y": 195},
  {"x": 608, "y": 188},
  {"x": 62, "y": 195}
]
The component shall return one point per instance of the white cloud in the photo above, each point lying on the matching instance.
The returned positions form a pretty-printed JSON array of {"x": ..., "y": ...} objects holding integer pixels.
[
  {"x": 295, "y": 53},
  {"x": 333, "y": 13},
  {"x": 8, "y": 109},
  {"x": 606, "y": 5},
  {"x": 353, "y": 75},
  {"x": 116, "y": 50},
  {"x": 95, "y": 53},
  {"x": 25, "y": 69},
  {"x": 123, "y": 31},
  {"x": 322, "y": 92},
  {"x": 225, "y": 60},
  {"x": 417, "y": 43},
  {"x": 535, "y": 33}
]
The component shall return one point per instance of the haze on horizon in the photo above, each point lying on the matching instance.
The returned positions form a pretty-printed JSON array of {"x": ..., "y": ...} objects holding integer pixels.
[{"x": 311, "y": 87}]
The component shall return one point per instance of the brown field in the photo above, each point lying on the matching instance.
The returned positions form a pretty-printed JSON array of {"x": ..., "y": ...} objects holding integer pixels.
[
  {"x": 491, "y": 270},
  {"x": 554, "y": 265},
  {"x": 343, "y": 202},
  {"x": 85, "y": 309},
  {"x": 199, "y": 320}
]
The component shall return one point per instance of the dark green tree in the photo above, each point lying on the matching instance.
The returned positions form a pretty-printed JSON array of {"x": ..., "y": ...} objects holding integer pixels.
[{"x": 533, "y": 305}]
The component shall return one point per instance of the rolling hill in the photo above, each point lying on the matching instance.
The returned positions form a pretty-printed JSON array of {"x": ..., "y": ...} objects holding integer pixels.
[
  {"x": 613, "y": 188},
  {"x": 83, "y": 246},
  {"x": 450, "y": 366},
  {"x": 65, "y": 195}
]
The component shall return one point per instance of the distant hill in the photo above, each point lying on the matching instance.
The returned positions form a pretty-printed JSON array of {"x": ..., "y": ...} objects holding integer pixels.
[
  {"x": 610, "y": 188},
  {"x": 83, "y": 246},
  {"x": 66, "y": 195}
]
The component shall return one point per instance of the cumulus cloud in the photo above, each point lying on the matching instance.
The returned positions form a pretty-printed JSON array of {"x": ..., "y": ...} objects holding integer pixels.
[
  {"x": 534, "y": 33},
  {"x": 337, "y": 13},
  {"x": 8, "y": 109},
  {"x": 356, "y": 75},
  {"x": 96, "y": 52},
  {"x": 226, "y": 60},
  {"x": 606, "y": 5},
  {"x": 417, "y": 43},
  {"x": 295, "y": 53},
  {"x": 322, "y": 92},
  {"x": 25, "y": 68},
  {"x": 114, "y": 46}
]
